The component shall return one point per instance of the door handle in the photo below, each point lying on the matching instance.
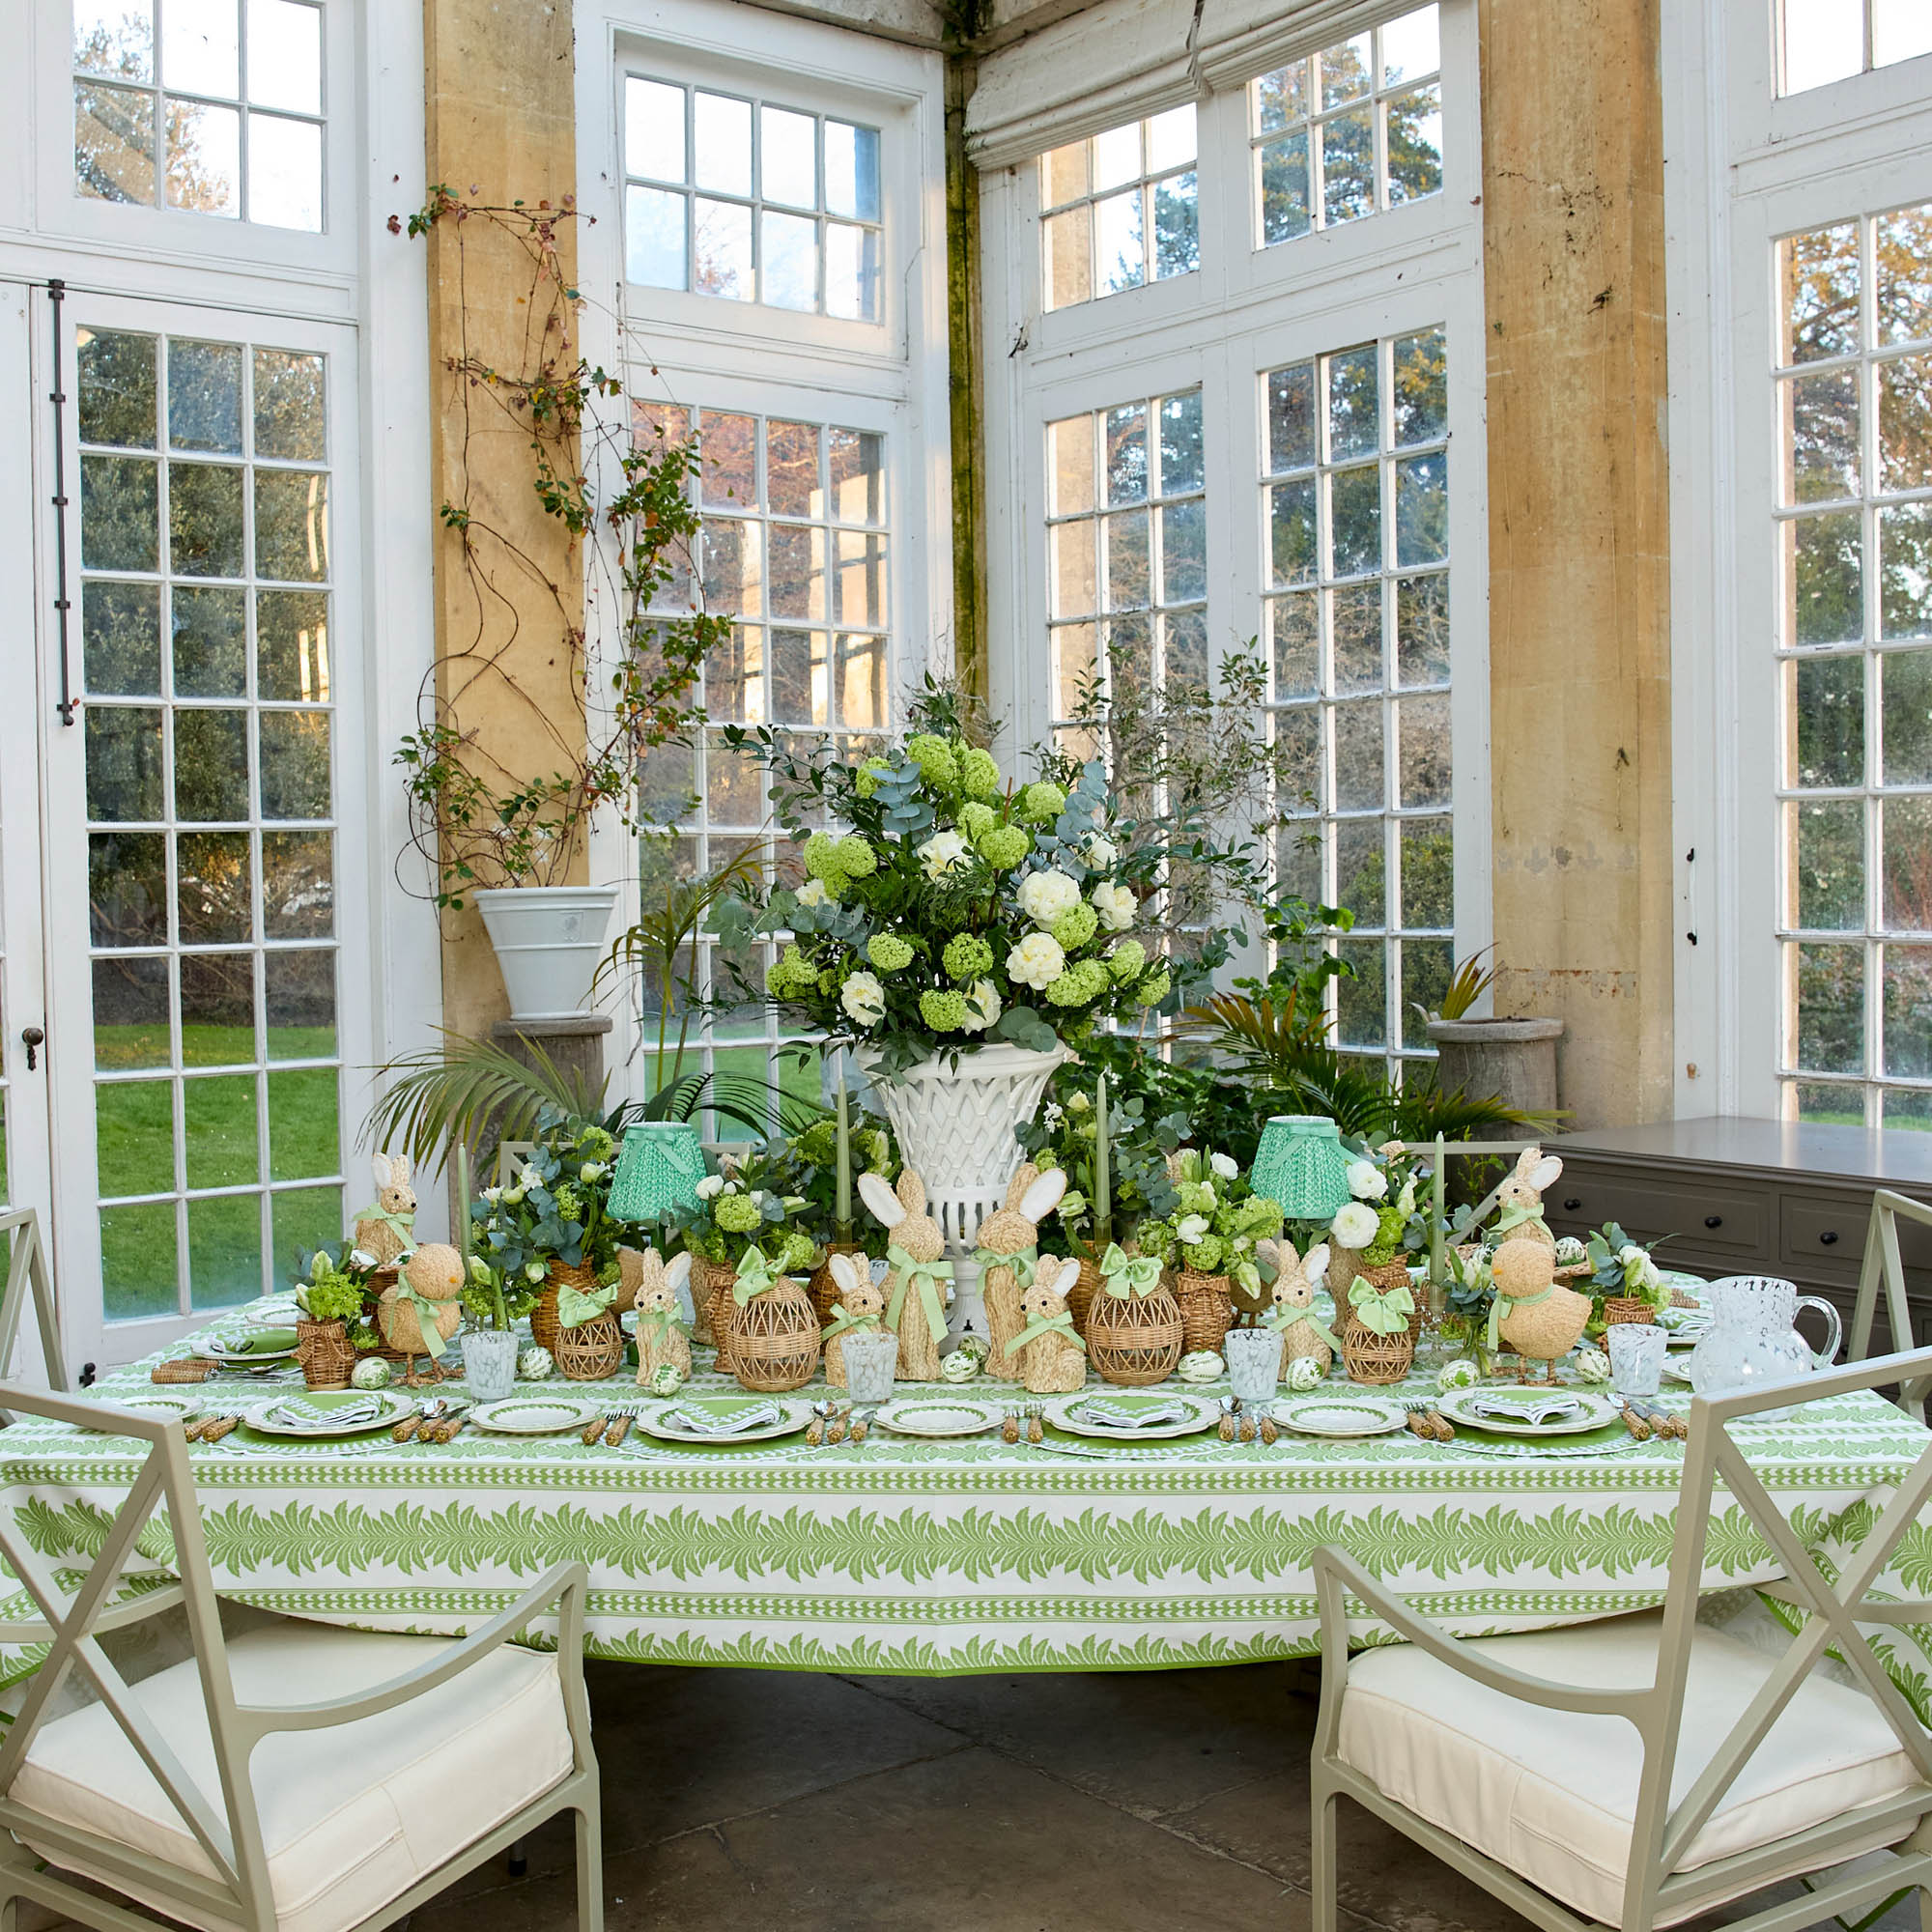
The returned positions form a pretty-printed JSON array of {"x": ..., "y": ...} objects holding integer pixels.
[{"x": 35, "y": 1038}]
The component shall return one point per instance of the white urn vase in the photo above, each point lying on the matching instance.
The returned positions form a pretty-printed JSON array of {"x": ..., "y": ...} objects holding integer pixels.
[{"x": 549, "y": 940}]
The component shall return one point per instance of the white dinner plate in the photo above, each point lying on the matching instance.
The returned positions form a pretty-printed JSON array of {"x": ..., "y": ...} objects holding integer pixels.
[
  {"x": 282, "y": 1314},
  {"x": 236, "y": 1358},
  {"x": 162, "y": 1402},
  {"x": 1592, "y": 1411},
  {"x": 394, "y": 1405},
  {"x": 1339, "y": 1416},
  {"x": 536, "y": 1414},
  {"x": 1203, "y": 1412},
  {"x": 795, "y": 1415},
  {"x": 934, "y": 1416}
]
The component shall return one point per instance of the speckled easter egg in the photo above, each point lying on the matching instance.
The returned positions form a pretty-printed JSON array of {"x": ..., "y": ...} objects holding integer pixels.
[
  {"x": 975, "y": 1345},
  {"x": 1306, "y": 1372},
  {"x": 1203, "y": 1365},
  {"x": 1460, "y": 1374},
  {"x": 1592, "y": 1365},
  {"x": 666, "y": 1379},
  {"x": 534, "y": 1364},
  {"x": 960, "y": 1365},
  {"x": 371, "y": 1373}
]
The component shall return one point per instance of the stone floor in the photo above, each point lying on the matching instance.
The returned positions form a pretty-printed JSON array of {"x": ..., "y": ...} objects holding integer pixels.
[{"x": 1157, "y": 1802}]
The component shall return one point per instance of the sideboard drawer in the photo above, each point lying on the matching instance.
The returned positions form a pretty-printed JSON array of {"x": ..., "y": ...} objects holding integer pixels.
[
  {"x": 1824, "y": 1234},
  {"x": 1720, "y": 1216}
]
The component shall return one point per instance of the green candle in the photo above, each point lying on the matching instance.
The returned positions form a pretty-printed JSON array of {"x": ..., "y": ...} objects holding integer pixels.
[
  {"x": 1103, "y": 1170},
  {"x": 1436, "y": 1215},
  {"x": 463, "y": 1199},
  {"x": 841, "y": 1200}
]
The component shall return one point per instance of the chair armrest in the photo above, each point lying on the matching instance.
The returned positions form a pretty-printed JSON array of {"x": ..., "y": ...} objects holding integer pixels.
[
  {"x": 1334, "y": 1568},
  {"x": 566, "y": 1582}
]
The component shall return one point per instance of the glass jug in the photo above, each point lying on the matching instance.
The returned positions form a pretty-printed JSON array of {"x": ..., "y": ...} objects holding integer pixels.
[{"x": 1753, "y": 1337}]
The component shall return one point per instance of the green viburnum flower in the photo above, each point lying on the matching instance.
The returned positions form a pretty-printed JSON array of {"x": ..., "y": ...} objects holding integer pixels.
[
  {"x": 1156, "y": 1238},
  {"x": 875, "y": 1148},
  {"x": 980, "y": 774},
  {"x": 867, "y": 782},
  {"x": 1040, "y": 803},
  {"x": 791, "y": 974},
  {"x": 795, "y": 1251},
  {"x": 976, "y": 820},
  {"x": 1153, "y": 991},
  {"x": 736, "y": 1214},
  {"x": 1126, "y": 960},
  {"x": 1258, "y": 1216},
  {"x": 821, "y": 857},
  {"x": 1003, "y": 846},
  {"x": 966, "y": 956},
  {"x": 569, "y": 1206},
  {"x": 828, "y": 983},
  {"x": 1196, "y": 1197},
  {"x": 856, "y": 859},
  {"x": 1082, "y": 982},
  {"x": 1077, "y": 926},
  {"x": 935, "y": 759},
  {"x": 888, "y": 952},
  {"x": 943, "y": 1012},
  {"x": 1205, "y": 1256},
  {"x": 1388, "y": 1237}
]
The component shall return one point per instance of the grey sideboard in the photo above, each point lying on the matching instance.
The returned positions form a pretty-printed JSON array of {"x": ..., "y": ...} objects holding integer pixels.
[{"x": 1742, "y": 1196}]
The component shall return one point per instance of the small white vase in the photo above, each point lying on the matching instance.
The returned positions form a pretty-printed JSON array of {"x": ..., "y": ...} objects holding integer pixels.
[
  {"x": 489, "y": 1363},
  {"x": 549, "y": 940}
]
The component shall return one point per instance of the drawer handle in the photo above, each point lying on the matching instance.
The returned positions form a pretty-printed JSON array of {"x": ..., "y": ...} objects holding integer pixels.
[
  {"x": 1571, "y": 1206},
  {"x": 1714, "y": 1220},
  {"x": 1829, "y": 1238}
]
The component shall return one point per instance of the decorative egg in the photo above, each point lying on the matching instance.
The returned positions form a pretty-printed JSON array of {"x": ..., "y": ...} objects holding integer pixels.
[
  {"x": 958, "y": 1366},
  {"x": 976, "y": 1345},
  {"x": 1592, "y": 1365},
  {"x": 666, "y": 1379},
  {"x": 1460, "y": 1373},
  {"x": 1203, "y": 1365},
  {"x": 534, "y": 1364},
  {"x": 371, "y": 1373},
  {"x": 1570, "y": 1251},
  {"x": 1306, "y": 1372}
]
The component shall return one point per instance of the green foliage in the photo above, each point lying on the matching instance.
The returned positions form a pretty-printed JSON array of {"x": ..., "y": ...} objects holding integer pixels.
[
  {"x": 758, "y": 1202},
  {"x": 1470, "y": 980},
  {"x": 554, "y": 1208}
]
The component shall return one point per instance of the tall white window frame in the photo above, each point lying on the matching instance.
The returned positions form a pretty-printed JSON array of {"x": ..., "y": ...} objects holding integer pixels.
[
  {"x": 680, "y": 349},
  {"x": 1744, "y": 168},
  {"x": 1247, "y": 310}
]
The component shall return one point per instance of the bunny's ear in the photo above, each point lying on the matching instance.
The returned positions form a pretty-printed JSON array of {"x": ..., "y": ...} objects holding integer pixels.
[
  {"x": 399, "y": 1169},
  {"x": 882, "y": 1201},
  {"x": 845, "y": 1272},
  {"x": 1023, "y": 1177},
  {"x": 383, "y": 1168},
  {"x": 912, "y": 1191},
  {"x": 677, "y": 1271},
  {"x": 1525, "y": 1162},
  {"x": 1069, "y": 1274},
  {"x": 1544, "y": 1173},
  {"x": 1042, "y": 1197},
  {"x": 1314, "y": 1263}
]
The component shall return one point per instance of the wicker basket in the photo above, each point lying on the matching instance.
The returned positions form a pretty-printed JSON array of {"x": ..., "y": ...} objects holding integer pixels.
[
  {"x": 822, "y": 1288},
  {"x": 184, "y": 1368},
  {"x": 326, "y": 1354},
  {"x": 701, "y": 1300},
  {"x": 717, "y": 1307},
  {"x": 1080, "y": 1297},
  {"x": 591, "y": 1351},
  {"x": 1206, "y": 1310},
  {"x": 1133, "y": 1339},
  {"x": 1626, "y": 1308},
  {"x": 1375, "y": 1358},
  {"x": 1346, "y": 1264},
  {"x": 544, "y": 1328},
  {"x": 775, "y": 1339}
]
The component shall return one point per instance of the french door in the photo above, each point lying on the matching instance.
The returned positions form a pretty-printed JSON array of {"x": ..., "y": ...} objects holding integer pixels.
[{"x": 204, "y": 969}]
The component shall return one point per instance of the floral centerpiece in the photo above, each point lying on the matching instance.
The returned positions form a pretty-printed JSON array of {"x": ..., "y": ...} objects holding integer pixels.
[
  {"x": 1625, "y": 1282},
  {"x": 1388, "y": 1219},
  {"x": 1065, "y": 1134},
  {"x": 328, "y": 1289},
  {"x": 813, "y": 1177},
  {"x": 1209, "y": 1236}
]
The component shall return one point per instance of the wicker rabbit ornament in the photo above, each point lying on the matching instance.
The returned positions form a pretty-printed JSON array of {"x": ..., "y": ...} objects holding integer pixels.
[
  {"x": 914, "y": 1287},
  {"x": 1007, "y": 1241}
]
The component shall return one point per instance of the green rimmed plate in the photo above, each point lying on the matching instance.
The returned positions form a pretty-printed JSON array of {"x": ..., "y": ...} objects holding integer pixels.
[
  {"x": 162, "y": 1402},
  {"x": 1203, "y": 1413},
  {"x": 793, "y": 1416},
  {"x": 1338, "y": 1417},
  {"x": 536, "y": 1414},
  {"x": 268, "y": 1418},
  {"x": 937, "y": 1418},
  {"x": 1591, "y": 1411}
]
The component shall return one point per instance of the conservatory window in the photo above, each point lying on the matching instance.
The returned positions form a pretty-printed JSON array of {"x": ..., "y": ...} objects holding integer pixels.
[
  {"x": 213, "y": 107},
  {"x": 1823, "y": 41},
  {"x": 1120, "y": 209}
]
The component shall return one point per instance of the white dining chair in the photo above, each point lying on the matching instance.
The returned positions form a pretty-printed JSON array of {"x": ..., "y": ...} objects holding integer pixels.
[
  {"x": 28, "y": 1279},
  {"x": 299, "y": 1777},
  {"x": 1641, "y": 1771}
]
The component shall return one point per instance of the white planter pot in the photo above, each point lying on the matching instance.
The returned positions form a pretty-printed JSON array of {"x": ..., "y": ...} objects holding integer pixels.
[{"x": 549, "y": 940}]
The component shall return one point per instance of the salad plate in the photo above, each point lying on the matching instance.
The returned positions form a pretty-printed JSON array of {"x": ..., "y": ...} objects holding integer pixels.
[
  {"x": 939, "y": 1418},
  {"x": 534, "y": 1414},
  {"x": 1339, "y": 1416}
]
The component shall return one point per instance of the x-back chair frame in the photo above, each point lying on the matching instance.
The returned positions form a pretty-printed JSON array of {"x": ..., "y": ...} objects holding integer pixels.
[
  {"x": 1661, "y": 1832},
  {"x": 230, "y": 1834},
  {"x": 27, "y": 1277},
  {"x": 1883, "y": 1269}
]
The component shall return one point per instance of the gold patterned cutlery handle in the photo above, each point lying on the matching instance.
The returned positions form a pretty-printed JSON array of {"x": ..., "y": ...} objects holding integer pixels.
[
  {"x": 222, "y": 1425},
  {"x": 593, "y": 1430},
  {"x": 617, "y": 1431}
]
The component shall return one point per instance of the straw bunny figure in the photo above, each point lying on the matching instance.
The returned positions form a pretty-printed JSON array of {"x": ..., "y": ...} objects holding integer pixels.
[
  {"x": 387, "y": 1229},
  {"x": 1294, "y": 1314},
  {"x": 915, "y": 1291},
  {"x": 1007, "y": 1239},
  {"x": 1053, "y": 1359},
  {"x": 1520, "y": 1197},
  {"x": 859, "y": 1310},
  {"x": 662, "y": 1333},
  {"x": 1533, "y": 1311},
  {"x": 425, "y": 1300}
]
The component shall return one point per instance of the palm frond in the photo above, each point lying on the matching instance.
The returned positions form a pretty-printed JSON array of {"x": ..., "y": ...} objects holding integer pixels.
[
  {"x": 1270, "y": 1037},
  {"x": 1422, "y": 1110}
]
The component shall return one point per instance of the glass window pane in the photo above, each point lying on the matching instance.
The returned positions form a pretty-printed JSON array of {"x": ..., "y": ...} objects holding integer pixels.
[
  {"x": 797, "y": 572},
  {"x": 285, "y": 173},
  {"x": 851, "y": 273},
  {"x": 800, "y": 685},
  {"x": 1905, "y": 571},
  {"x": 1075, "y": 668},
  {"x": 1290, "y": 405},
  {"x": 285, "y": 55},
  {"x": 137, "y": 1262},
  {"x": 733, "y": 567},
  {"x": 722, "y": 149},
  {"x": 292, "y": 525},
  {"x": 1295, "y": 633},
  {"x": 1422, "y": 508},
  {"x": 199, "y": 51},
  {"x": 858, "y": 476},
  {"x": 291, "y": 645},
  {"x": 1414, "y": 145},
  {"x": 1127, "y": 454},
  {"x": 306, "y": 1218},
  {"x": 126, "y": 889},
  {"x": 117, "y": 387},
  {"x": 1905, "y": 831},
  {"x": 1361, "y": 1015},
  {"x": 120, "y": 508},
  {"x": 1903, "y": 245},
  {"x": 1824, "y": 40},
  {"x": 215, "y": 890},
  {"x": 654, "y": 238},
  {"x": 722, "y": 249},
  {"x": 299, "y": 995},
  {"x": 1063, "y": 174},
  {"x": 1116, "y": 156},
  {"x": 1181, "y": 453},
  {"x": 788, "y": 157},
  {"x": 1828, "y": 715},
  {"x": 298, "y": 885},
  {"x": 224, "y": 1248},
  {"x": 1428, "y": 873},
  {"x": 730, "y": 477},
  {"x": 1412, "y": 46},
  {"x": 121, "y": 638},
  {"x": 1120, "y": 244},
  {"x": 1907, "y": 1014},
  {"x": 1354, "y": 424},
  {"x": 1346, "y": 71},
  {"x": 654, "y": 131},
  {"x": 1821, "y": 436},
  {"x": 1421, "y": 630},
  {"x": 1358, "y": 757},
  {"x": 1284, "y": 187},
  {"x": 1068, "y": 240},
  {"x": 1827, "y": 867},
  {"x": 1830, "y": 1008},
  {"x": 1824, "y": 578},
  {"x": 1070, "y": 465},
  {"x": 288, "y": 397},
  {"x": 124, "y": 763},
  {"x": 205, "y": 537},
  {"x": 210, "y": 764},
  {"x": 1355, "y": 632},
  {"x": 1171, "y": 138},
  {"x": 1348, "y": 167},
  {"x": 209, "y": 642},
  {"x": 1291, "y": 531},
  {"x": 295, "y": 764},
  {"x": 134, "y": 1140},
  {"x": 1905, "y": 421},
  {"x": 113, "y": 143},
  {"x": 1424, "y": 776},
  {"x": 1127, "y": 560},
  {"x": 217, "y": 1011},
  {"x": 1281, "y": 97},
  {"x": 852, "y": 171},
  {"x": 205, "y": 396},
  {"x": 1177, "y": 228},
  {"x": 1906, "y": 709},
  {"x": 131, "y": 1013},
  {"x": 1355, "y": 509},
  {"x": 791, "y": 251},
  {"x": 1820, "y": 281},
  {"x": 204, "y": 158},
  {"x": 1184, "y": 552},
  {"x": 115, "y": 37},
  {"x": 1421, "y": 395},
  {"x": 1901, "y": 30},
  {"x": 1073, "y": 583},
  {"x": 859, "y": 580},
  {"x": 304, "y": 1131},
  {"x": 859, "y": 680}
]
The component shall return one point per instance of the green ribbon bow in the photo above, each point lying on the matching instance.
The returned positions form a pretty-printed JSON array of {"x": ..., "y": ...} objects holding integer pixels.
[
  {"x": 757, "y": 1273},
  {"x": 1020, "y": 1263},
  {"x": 843, "y": 1320},
  {"x": 575, "y": 1306},
  {"x": 925, "y": 1276},
  {"x": 1281, "y": 1319},
  {"x": 1495, "y": 1324},
  {"x": 1515, "y": 1216},
  {"x": 1122, "y": 1277},
  {"x": 1380, "y": 1310},
  {"x": 1047, "y": 1324},
  {"x": 402, "y": 1229},
  {"x": 658, "y": 1325}
]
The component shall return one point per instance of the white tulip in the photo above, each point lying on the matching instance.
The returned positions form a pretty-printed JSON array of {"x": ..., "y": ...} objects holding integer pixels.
[{"x": 1224, "y": 1165}]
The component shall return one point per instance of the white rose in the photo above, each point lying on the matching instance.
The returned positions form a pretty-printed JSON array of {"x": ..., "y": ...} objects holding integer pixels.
[
  {"x": 1629, "y": 1252},
  {"x": 863, "y": 997},
  {"x": 1115, "y": 907},
  {"x": 939, "y": 855},
  {"x": 1357, "y": 1225},
  {"x": 1045, "y": 895},
  {"x": 811, "y": 892},
  {"x": 1191, "y": 1227},
  {"x": 1366, "y": 1182},
  {"x": 1224, "y": 1165},
  {"x": 1037, "y": 960},
  {"x": 591, "y": 1171},
  {"x": 1100, "y": 852},
  {"x": 983, "y": 1005},
  {"x": 711, "y": 1186}
]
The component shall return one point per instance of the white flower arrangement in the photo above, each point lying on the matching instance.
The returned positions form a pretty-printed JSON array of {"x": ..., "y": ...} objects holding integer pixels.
[
  {"x": 1115, "y": 907},
  {"x": 711, "y": 1186},
  {"x": 864, "y": 999},
  {"x": 983, "y": 1005},
  {"x": 1366, "y": 1182},
  {"x": 813, "y": 892},
  {"x": 943, "y": 851},
  {"x": 1101, "y": 852},
  {"x": 1355, "y": 1226}
]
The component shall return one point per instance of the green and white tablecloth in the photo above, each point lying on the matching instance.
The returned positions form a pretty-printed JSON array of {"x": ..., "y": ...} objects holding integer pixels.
[{"x": 970, "y": 1555}]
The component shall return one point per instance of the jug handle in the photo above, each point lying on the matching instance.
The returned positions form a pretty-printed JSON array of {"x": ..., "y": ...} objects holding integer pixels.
[{"x": 1834, "y": 1328}]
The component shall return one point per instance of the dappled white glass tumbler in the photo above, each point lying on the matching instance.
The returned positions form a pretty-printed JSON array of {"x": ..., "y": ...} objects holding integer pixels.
[
  {"x": 1254, "y": 1362},
  {"x": 1637, "y": 1357},
  {"x": 871, "y": 1363}
]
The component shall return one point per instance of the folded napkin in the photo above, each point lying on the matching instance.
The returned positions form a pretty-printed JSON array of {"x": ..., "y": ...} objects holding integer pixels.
[
  {"x": 702, "y": 1422},
  {"x": 298, "y": 1412},
  {"x": 1117, "y": 1416},
  {"x": 259, "y": 1340},
  {"x": 1549, "y": 1409}
]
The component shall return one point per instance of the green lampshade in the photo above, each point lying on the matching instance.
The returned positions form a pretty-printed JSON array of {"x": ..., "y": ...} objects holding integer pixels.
[
  {"x": 1302, "y": 1163},
  {"x": 659, "y": 1168}
]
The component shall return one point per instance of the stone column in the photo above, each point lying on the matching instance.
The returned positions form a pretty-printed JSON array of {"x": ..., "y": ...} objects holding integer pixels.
[{"x": 1579, "y": 613}]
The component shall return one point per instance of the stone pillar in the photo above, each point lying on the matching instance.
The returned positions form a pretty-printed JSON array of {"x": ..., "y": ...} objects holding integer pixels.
[
  {"x": 1579, "y": 613},
  {"x": 501, "y": 129}
]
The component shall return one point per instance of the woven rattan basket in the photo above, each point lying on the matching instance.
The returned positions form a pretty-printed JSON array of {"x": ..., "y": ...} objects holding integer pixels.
[
  {"x": 1133, "y": 1339},
  {"x": 775, "y": 1339},
  {"x": 543, "y": 1329},
  {"x": 701, "y": 1300},
  {"x": 326, "y": 1354},
  {"x": 1080, "y": 1297},
  {"x": 1626, "y": 1308},
  {"x": 718, "y": 1306},
  {"x": 1206, "y": 1310},
  {"x": 1346, "y": 1264},
  {"x": 591, "y": 1351},
  {"x": 1375, "y": 1358},
  {"x": 822, "y": 1288}
]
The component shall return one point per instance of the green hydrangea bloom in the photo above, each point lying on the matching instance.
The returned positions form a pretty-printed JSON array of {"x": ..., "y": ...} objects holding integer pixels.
[
  {"x": 1126, "y": 960},
  {"x": 855, "y": 858},
  {"x": 935, "y": 760},
  {"x": 977, "y": 820},
  {"x": 791, "y": 974},
  {"x": 1205, "y": 1256},
  {"x": 568, "y": 1207},
  {"x": 1153, "y": 991},
  {"x": 1195, "y": 1198},
  {"x": 867, "y": 782},
  {"x": 821, "y": 857},
  {"x": 1040, "y": 803},
  {"x": 944, "y": 1011},
  {"x": 1082, "y": 982},
  {"x": 1003, "y": 846},
  {"x": 1156, "y": 1238},
  {"x": 795, "y": 1252},
  {"x": 980, "y": 774},
  {"x": 888, "y": 952},
  {"x": 828, "y": 983},
  {"x": 1075, "y": 926},
  {"x": 1388, "y": 1237},
  {"x": 875, "y": 1148},
  {"x": 967, "y": 957},
  {"x": 1258, "y": 1216},
  {"x": 736, "y": 1214}
]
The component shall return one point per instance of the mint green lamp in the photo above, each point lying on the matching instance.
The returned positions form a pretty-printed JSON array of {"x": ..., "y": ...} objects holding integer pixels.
[
  {"x": 1302, "y": 1164},
  {"x": 659, "y": 1168}
]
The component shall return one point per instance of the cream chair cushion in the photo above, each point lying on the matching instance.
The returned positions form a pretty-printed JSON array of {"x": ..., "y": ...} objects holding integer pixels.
[
  {"x": 1553, "y": 1794},
  {"x": 352, "y": 1816}
]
